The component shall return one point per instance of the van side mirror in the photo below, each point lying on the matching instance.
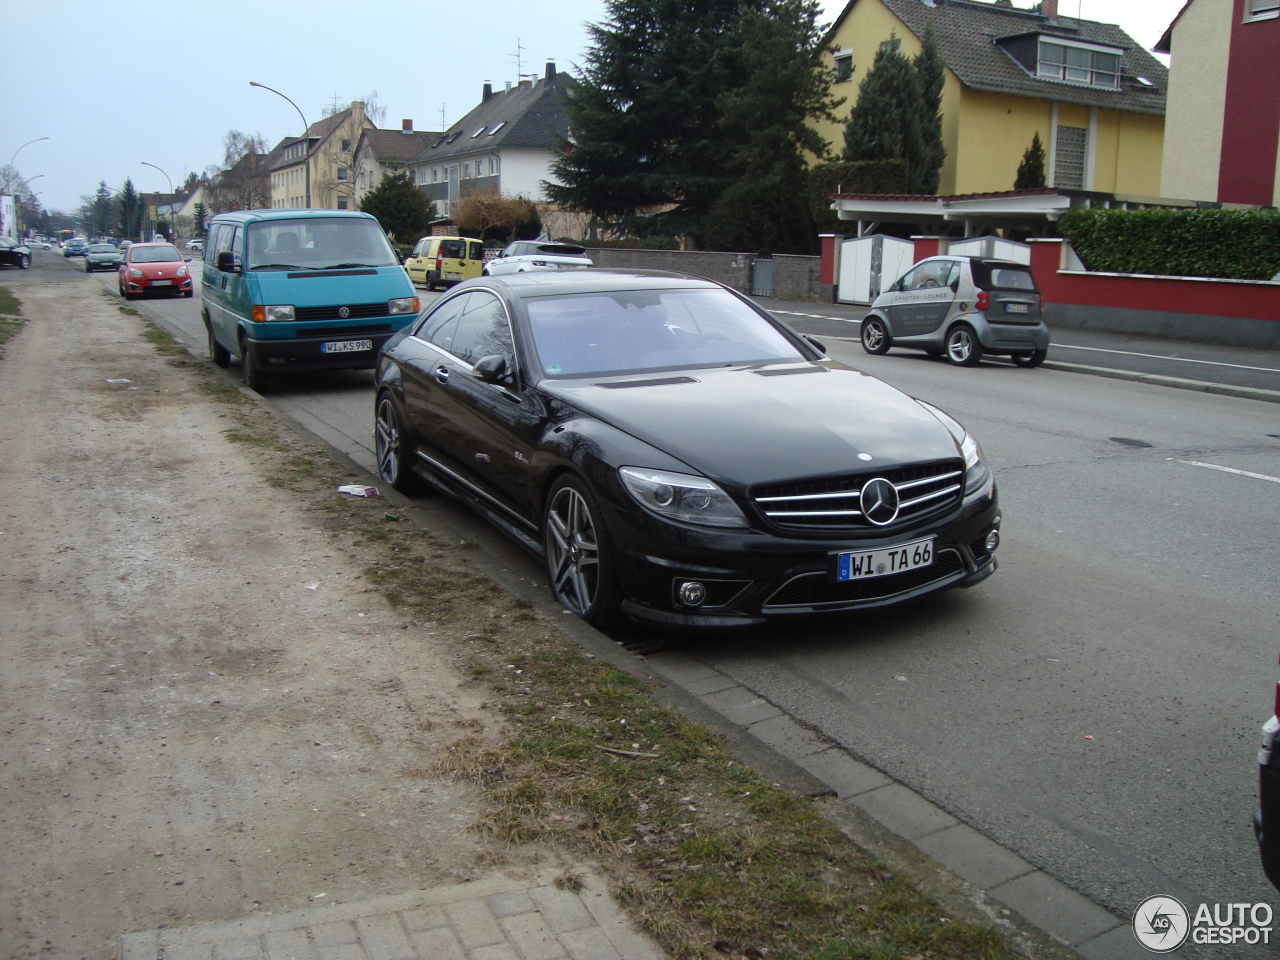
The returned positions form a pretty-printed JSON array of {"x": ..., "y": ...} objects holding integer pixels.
[
  {"x": 227, "y": 261},
  {"x": 492, "y": 369}
]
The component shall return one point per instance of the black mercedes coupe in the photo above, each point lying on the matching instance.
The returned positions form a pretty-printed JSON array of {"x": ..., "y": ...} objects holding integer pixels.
[{"x": 676, "y": 454}]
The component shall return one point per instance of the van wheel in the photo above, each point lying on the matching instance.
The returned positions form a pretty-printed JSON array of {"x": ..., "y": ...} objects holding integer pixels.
[
  {"x": 963, "y": 348},
  {"x": 219, "y": 354},
  {"x": 254, "y": 377},
  {"x": 1033, "y": 359},
  {"x": 431, "y": 283},
  {"x": 875, "y": 336}
]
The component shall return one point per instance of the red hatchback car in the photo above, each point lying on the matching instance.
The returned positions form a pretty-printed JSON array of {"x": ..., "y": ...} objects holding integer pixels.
[{"x": 154, "y": 268}]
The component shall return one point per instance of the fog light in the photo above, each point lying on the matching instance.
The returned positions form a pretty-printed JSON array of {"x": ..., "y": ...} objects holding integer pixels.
[
  {"x": 993, "y": 541},
  {"x": 692, "y": 593}
]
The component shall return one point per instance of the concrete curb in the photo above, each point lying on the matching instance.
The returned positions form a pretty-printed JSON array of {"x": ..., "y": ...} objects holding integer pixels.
[{"x": 1159, "y": 380}]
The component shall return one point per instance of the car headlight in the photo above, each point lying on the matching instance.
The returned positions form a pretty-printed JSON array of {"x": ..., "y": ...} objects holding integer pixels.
[
  {"x": 678, "y": 496},
  {"x": 976, "y": 470},
  {"x": 275, "y": 312},
  {"x": 402, "y": 305},
  {"x": 182, "y": 271},
  {"x": 135, "y": 272}
]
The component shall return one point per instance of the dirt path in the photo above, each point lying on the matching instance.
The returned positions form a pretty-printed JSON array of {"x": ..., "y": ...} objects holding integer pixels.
[{"x": 206, "y": 712}]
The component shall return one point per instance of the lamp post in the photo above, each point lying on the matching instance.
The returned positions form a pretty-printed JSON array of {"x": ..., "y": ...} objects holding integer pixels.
[
  {"x": 173, "y": 222},
  {"x": 19, "y": 219},
  {"x": 306, "y": 143},
  {"x": 25, "y": 145}
]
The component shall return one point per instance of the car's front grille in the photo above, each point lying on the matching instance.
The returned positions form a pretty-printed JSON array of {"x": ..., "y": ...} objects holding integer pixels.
[
  {"x": 344, "y": 331},
  {"x": 833, "y": 504},
  {"x": 356, "y": 311},
  {"x": 818, "y": 590}
]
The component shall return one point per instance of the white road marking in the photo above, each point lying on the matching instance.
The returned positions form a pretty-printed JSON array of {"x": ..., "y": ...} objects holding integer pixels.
[
  {"x": 1242, "y": 473},
  {"x": 1158, "y": 356},
  {"x": 815, "y": 316}
]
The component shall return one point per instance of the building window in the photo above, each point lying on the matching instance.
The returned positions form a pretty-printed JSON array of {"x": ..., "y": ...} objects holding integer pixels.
[
  {"x": 1069, "y": 157},
  {"x": 844, "y": 66},
  {"x": 346, "y": 146},
  {"x": 892, "y": 45},
  {"x": 501, "y": 124},
  {"x": 1073, "y": 64},
  {"x": 493, "y": 166},
  {"x": 435, "y": 174},
  {"x": 342, "y": 203},
  {"x": 466, "y": 171},
  {"x": 1263, "y": 10},
  {"x": 343, "y": 174}
]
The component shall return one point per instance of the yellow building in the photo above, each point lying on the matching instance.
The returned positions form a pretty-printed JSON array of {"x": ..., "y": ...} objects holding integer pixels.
[
  {"x": 1095, "y": 97},
  {"x": 321, "y": 162}
]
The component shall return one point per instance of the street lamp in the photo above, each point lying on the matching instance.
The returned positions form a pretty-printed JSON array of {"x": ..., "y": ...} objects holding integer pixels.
[
  {"x": 173, "y": 221},
  {"x": 25, "y": 145},
  {"x": 306, "y": 144}
]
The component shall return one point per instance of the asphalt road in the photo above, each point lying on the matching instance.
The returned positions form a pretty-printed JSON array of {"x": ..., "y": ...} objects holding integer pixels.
[{"x": 1095, "y": 705}]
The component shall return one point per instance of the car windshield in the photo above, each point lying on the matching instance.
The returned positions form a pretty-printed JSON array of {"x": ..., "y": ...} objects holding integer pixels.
[
  {"x": 629, "y": 331},
  {"x": 161, "y": 254},
  {"x": 318, "y": 243},
  {"x": 103, "y": 248}
]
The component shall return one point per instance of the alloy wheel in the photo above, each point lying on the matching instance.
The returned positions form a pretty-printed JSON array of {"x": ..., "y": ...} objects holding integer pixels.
[{"x": 573, "y": 554}]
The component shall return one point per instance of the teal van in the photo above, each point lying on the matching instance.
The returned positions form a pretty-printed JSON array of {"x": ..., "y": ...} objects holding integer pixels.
[{"x": 293, "y": 290}]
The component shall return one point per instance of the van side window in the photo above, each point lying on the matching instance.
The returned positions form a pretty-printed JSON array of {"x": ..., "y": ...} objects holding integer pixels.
[
  {"x": 477, "y": 250},
  {"x": 454, "y": 249},
  {"x": 211, "y": 243}
]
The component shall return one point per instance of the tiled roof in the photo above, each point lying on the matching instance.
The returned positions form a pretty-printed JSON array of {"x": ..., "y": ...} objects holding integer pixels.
[
  {"x": 531, "y": 115},
  {"x": 315, "y": 134},
  {"x": 395, "y": 146},
  {"x": 967, "y": 32}
]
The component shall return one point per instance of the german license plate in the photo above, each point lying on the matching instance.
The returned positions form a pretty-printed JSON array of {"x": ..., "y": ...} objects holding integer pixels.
[
  {"x": 453, "y": 276},
  {"x": 162, "y": 283},
  {"x": 881, "y": 563},
  {"x": 1015, "y": 308},
  {"x": 346, "y": 346}
]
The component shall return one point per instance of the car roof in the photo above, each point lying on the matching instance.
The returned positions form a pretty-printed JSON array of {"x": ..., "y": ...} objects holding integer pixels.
[
  {"x": 544, "y": 283},
  {"x": 249, "y": 216}
]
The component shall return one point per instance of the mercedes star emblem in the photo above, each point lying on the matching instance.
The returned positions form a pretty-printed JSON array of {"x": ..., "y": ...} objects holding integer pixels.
[{"x": 879, "y": 501}]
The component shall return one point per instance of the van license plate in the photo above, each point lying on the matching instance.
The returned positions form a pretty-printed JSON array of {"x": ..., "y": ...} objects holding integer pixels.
[
  {"x": 881, "y": 563},
  {"x": 346, "y": 346},
  {"x": 453, "y": 276},
  {"x": 1015, "y": 308}
]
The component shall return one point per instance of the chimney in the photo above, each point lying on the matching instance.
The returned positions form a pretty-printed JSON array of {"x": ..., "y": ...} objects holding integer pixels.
[
  {"x": 550, "y": 75},
  {"x": 1049, "y": 8},
  {"x": 525, "y": 84},
  {"x": 487, "y": 93},
  {"x": 406, "y": 126},
  {"x": 508, "y": 90}
]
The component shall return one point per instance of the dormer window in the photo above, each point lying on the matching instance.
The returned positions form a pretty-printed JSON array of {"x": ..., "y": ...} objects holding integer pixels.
[{"x": 1073, "y": 62}]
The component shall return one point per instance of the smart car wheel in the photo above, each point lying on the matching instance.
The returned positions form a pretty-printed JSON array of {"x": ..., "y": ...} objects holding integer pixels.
[
  {"x": 1033, "y": 359},
  {"x": 391, "y": 446},
  {"x": 875, "y": 336},
  {"x": 579, "y": 552},
  {"x": 963, "y": 348}
]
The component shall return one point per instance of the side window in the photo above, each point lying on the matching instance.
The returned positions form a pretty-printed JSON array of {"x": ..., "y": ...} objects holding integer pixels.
[
  {"x": 211, "y": 243},
  {"x": 454, "y": 249},
  {"x": 483, "y": 331},
  {"x": 928, "y": 276},
  {"x": 477, "y": 250},
  {"x": 438, "y": 326},
  {"x": 953, "y": 275}
]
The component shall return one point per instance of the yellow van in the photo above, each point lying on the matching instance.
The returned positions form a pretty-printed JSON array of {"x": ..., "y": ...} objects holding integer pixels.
[{"x": 444, "y": 261}]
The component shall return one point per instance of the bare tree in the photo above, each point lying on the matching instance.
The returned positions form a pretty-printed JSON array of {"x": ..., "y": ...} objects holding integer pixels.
[{"x": 242, "y": 181}]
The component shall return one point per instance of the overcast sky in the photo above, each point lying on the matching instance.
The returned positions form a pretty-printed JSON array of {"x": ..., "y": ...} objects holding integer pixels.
[{"x": 115, "y": 84}]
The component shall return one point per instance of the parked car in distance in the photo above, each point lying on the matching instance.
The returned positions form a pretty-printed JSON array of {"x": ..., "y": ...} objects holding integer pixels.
[
  {"x": 962, "y": 308},
  {"x": 525, "y": 255},
  {"x": 101, "y": 256},
  {"x": 14, "y": 253},
  {"x": 195, "y": 244},
  {"x": 676, "y": 454},
  {"x": 154, "y": 268},
  {"x": 35, "y": 243},
  {"x": 301, "y": 290},
  {"x": 444, "y": 261},
  {"x": 1266, "y": 822},
  {"x": 75, "y": 247}
]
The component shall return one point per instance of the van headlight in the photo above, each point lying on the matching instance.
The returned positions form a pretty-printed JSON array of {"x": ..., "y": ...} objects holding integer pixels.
[
  {"x": 678, "y": 496},
  {"x": 279, "y": 311},
  {"x": 402, "y": 305},
  {"x": 976, "y": 470}
]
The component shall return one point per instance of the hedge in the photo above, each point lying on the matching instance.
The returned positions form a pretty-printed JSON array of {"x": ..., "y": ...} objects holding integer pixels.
[
  {"x": 1225, "y": 244},
  {"x": 861, "y": 176}
]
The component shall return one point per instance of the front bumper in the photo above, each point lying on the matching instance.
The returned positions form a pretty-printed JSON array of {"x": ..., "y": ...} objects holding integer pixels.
[
  {"x": 147, "y": 285},
  {"x": 749, "y": 577},
  {"x": 305, "y": 353}
]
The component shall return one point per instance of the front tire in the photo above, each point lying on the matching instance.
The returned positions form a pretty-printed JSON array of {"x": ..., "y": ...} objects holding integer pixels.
[
  {"x": 875, "y": 336},
  {"x": 580, "y": 560},
  {"x": 392, "y": 448},
  {"x": 963, "y": 348},
  {"x": 254, "y": 377},
  {"x": 1029, "y": 360},
  {"x": 24, "y": 261}
]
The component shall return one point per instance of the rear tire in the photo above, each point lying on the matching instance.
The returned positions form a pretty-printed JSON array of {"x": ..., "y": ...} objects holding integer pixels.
[
  {"x": 219, "y": 354},
  {"x": 963, "y": 348},
  {"x": 431, "y": 284},
  {"x": 1029, "y": 360},
  {"x": 254, "y": 377},
  {"x": 875, "y": 336}
]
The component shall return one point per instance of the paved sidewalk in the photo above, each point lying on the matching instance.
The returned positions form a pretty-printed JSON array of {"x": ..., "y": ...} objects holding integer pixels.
[{"x": 496, "y": 918}]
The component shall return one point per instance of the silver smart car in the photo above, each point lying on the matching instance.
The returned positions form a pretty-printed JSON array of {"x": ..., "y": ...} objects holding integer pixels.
[{"x": 963, "y": 308}]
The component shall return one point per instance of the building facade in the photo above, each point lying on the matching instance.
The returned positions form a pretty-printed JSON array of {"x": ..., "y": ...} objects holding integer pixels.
[
  {"x": 380, "y": 152},
  {"x": 1222, "y": 133},
  {"x": 1094, "y": 96},
  {"x": 320, "y": 162}
]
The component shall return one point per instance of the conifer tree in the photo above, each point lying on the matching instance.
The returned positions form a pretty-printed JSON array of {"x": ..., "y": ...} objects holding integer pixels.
[
  {"x": 1031, "y": 169},
  {"x": 926, "y": 172},
  {"x": 402, "y": 209}
]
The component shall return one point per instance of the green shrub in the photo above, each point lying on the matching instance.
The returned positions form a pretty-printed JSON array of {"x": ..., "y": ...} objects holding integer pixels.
[
  {"x": 862, "y": 176},
  {"x": 1227, "y": 244}
]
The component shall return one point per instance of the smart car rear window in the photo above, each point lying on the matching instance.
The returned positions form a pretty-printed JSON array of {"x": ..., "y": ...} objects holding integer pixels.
[{"x": 990, "y": 276}]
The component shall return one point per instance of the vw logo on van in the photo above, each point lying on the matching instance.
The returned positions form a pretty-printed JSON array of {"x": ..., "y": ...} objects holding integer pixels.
[{"x": 344, "y": 312}]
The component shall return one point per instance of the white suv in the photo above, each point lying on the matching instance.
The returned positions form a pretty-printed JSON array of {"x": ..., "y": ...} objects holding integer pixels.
[{"x": 525, "y": 255}]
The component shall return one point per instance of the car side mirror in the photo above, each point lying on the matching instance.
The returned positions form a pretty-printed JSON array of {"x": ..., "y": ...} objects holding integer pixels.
[
  {"x": 492, "y": 369},
  {"x": 816, "y": 344},
  {"x": 227, "y": 261}
]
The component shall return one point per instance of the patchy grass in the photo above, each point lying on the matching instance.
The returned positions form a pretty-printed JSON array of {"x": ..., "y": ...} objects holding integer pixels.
[
  {"x": 10, "y": 306},
  {"x": 710, "y": 857},
  {"x": 8, "y": 330}
]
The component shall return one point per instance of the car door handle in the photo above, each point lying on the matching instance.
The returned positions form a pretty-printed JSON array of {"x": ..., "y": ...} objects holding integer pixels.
[{"x": 442, "y": 374}]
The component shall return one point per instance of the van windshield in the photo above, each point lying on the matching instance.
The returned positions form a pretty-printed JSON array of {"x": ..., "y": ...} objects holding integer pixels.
[{"x": 318, "y": 243}]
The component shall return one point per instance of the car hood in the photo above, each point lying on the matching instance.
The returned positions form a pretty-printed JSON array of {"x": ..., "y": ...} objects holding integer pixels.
[
  {"x": 749, "y": 425},
  {"x": 165, "y": 268},
  {"x": 321, "y": 288}
]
